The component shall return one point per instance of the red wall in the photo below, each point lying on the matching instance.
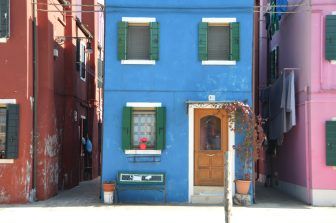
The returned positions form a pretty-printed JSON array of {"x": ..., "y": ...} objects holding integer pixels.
[
  {"x": 61, "y": 92},
  {"x": 16, "y": 83}
]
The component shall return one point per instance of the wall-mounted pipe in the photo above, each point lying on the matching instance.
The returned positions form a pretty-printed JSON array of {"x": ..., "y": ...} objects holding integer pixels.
[{"x": 35, "y": 92}]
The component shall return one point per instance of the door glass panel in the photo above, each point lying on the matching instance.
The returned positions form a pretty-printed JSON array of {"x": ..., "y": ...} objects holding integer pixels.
[{"x": 210, "y": 133}]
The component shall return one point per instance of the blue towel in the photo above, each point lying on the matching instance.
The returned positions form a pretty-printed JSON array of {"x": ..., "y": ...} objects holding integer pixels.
[
  {"x": 88, "y": 146},
  {"x": 283, "y": 8}
]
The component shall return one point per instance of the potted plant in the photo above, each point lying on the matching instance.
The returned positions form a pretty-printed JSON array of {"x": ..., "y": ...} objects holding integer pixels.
[
  {"x": 143, "y": 143},
  {"x": 244, "y": 122},
  {"x": 108, "y": 189},
  {"x": 109, "y": 186}
]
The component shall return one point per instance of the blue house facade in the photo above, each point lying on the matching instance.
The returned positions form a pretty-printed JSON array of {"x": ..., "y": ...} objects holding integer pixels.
[{"x": 169, "y": 65}]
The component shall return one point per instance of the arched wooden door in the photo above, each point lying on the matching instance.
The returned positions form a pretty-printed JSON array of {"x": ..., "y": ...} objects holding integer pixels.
[{"x": 210, "y": 144}]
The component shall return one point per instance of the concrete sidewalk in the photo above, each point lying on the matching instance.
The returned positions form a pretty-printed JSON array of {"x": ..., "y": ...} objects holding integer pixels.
[{"x": 82, "y": 204}]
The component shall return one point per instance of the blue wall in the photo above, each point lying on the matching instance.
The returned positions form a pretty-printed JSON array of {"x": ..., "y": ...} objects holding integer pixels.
[{"x": 177, "y": 77}]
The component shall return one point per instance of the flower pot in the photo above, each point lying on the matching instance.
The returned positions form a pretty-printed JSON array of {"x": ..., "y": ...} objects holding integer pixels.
[
  {"x": 143, "y": 146},
  {"x": 243, "y": 186},
  {"x": 108, "y": 187}
]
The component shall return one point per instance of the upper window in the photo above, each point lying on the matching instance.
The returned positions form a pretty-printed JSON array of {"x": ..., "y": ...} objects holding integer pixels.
[
  {"x": 81, "y": 59},
  {"x": 9, "y": 127},
  {"x": 143, "y": 128},
  {"x": 138, "y": 41},
  {"x": 274, "y": 65},
  {"x": 330, "y": 39},
  {"x": 219, "y": 41},
  {"x": 4, "y": 19}
]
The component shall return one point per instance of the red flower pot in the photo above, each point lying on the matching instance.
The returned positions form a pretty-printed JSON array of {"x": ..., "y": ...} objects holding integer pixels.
[{"x": 143, "y": 146}]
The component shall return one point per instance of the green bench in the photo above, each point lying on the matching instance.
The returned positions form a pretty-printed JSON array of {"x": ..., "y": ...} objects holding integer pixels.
[{"x": 141, "y": 181}]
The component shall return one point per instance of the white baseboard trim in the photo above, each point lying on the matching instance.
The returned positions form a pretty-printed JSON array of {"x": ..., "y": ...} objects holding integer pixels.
[
  {"x": 324, "y": 198},
  {"x": 293, "y": 190}
]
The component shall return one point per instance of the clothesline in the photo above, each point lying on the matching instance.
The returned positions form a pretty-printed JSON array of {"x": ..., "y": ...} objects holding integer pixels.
[{"x": 282, "y": 72}]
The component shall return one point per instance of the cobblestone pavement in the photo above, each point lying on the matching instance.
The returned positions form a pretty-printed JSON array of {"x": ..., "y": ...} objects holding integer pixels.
[{"x": 82, "y": 204}]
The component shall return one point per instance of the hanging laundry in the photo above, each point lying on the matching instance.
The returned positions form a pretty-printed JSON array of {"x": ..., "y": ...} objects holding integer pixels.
[
  {"x": 290, "y": 102},
  {"x": 277, "y": 109},
  {"x": 282, "y": 6},
  {"x": 282, "y": 112}
]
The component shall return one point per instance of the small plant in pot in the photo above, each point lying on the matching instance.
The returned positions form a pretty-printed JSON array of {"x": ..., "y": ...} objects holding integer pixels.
[
  {"x": 143, "y": 143},
  {"x": 108, "y": 186}
]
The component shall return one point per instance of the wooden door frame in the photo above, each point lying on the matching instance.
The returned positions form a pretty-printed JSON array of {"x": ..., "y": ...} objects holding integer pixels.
[{"x": 231, "y": 142}]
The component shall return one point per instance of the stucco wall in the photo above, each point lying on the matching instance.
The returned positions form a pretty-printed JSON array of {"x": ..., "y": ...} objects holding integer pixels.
[
  {"x": 177, "y": 77},
  {"x": 323, "y": 98},
  {"x": 16, "y": 75}
]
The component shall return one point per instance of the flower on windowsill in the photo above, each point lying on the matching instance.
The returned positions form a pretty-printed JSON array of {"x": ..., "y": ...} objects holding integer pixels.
[
  {"x": 143, "y": 140},
  {"x": 143, "y": 143}
]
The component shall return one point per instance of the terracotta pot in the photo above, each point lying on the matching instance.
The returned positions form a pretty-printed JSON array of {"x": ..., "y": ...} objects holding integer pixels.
[
  {"x": 243, "y": 186},
  {"x": 108, "y": 187}
]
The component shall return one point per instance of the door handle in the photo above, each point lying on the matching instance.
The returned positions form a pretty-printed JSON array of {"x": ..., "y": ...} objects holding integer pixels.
[{"x": 211, "y": 155}]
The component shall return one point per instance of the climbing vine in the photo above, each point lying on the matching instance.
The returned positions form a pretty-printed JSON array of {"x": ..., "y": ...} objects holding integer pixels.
[{"x": 245, "y": 123}]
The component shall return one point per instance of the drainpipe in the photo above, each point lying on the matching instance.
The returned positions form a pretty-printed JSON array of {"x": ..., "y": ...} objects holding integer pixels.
[{"x": 35, "y": 91}]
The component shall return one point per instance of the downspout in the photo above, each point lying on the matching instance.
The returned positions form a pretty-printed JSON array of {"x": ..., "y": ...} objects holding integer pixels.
[
  {"x": 308, "y": 118},
  {"x": 35, "y": 92}
]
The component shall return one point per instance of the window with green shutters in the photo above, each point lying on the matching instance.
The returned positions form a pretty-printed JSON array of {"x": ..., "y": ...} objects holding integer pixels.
[
  {"x": 331, "y": 143},
  {"x": 274, "y": 65},
  {"x": 219, "y": 41},
  {"x": 144, "y": 125},
  {"x": 4, "y": 19},
  {"x": 138, "y": 41},
  {"x": 9, "y": 131},
  {"x": 330, "y": 40}
]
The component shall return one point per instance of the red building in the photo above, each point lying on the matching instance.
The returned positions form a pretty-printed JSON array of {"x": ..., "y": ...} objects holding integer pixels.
[{"x": 50, "y": 96}]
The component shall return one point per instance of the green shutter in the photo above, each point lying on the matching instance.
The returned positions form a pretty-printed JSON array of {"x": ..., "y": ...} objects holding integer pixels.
[
  {"x": 330, "y": 42},
  {"x": 154, "y": 40},
  {"x": 272, "y": 66},
  {"x": 160, "y": 128},
  {"x": 126, "y": 128},
  {"x": 122, "y": 40},
  {"x": 331, "y": 143},
  {"x": 12, "y": 135},
  {"x": 4, "y": 18},
  {"x": 235, "y": 41},
  {"x": 203, "y": 41}
]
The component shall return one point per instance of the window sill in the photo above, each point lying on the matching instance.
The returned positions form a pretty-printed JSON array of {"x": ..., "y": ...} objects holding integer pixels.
[
  {"x": 6, "y": 161},
  {"x": 219, "y": 62},
  {"x": 143, "y": 152},
  {"x": 143, "y": 62},
  {"x": 3, "y": 40}
]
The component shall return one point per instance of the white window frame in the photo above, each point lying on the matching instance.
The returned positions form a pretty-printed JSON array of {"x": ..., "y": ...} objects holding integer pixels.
[
  {"x": 7, "y": 101},
  {"x": 138, "y": 20},
  {"x": 219, "y": 62},
  {"x": 82, "y": 55}
]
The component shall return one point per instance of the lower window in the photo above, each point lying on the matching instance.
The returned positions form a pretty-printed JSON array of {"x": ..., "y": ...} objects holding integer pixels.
[
  {"x": 3, "y": 120},
  {"x": 143, "y": 128},
  {"x": 9, "y": 131}
]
